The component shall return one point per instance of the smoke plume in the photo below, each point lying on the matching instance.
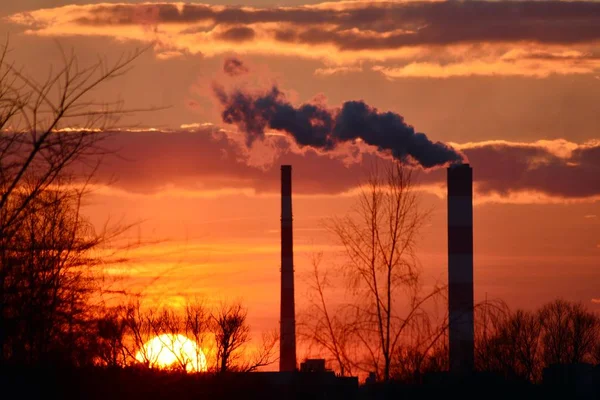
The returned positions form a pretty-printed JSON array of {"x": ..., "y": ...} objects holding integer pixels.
[{"x": 323, "y": 128}]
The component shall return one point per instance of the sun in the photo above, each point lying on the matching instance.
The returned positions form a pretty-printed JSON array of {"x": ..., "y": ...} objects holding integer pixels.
[{"x": 172, "y": 351}]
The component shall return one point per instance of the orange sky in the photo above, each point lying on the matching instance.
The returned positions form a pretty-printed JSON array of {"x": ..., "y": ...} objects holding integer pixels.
[{"x": 522, "y": 104}]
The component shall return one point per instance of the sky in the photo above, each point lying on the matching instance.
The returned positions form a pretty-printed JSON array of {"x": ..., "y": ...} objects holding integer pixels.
[{"x": 513, "y": 87}]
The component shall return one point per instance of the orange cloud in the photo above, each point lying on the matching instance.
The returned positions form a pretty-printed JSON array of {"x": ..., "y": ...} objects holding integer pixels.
[
  {"x": 432, "y": 39},
  {"x": 561, "y": 148},
  {"x": 336, "y": 70},
  {"x": 518, "y": 67}
]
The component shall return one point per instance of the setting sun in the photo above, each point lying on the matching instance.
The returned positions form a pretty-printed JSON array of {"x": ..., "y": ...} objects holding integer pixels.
[{"x": 168, "y": 351}]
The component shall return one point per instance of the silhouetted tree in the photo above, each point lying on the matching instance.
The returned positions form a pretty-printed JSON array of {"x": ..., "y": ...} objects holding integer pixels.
[
  {"x": 226, "y": 323},
  {"x": 197, "y": 323},
  {"x": 509, "y": 343},
  {"x": 112, "y": 330},
  {"x": 382, "y": 276},
  {"x": 425, "y": 351},
  {"x": 46, "y": 294},
  {"x": 168, "y": 325},
  {"x": 50, "y": 145},
  {"x": 264, "y": 354},
  {"x": 489, "y": 317},
  {"x": 231, "y": 334},
  {"x": 326, "y": 329},
  {"x": 141, "y": 326},
  {"x": 570, "y": 333},
  {"x": 520, "y": 344}
]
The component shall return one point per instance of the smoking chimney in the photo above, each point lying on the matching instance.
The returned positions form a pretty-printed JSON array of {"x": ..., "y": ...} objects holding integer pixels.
[
  {"x": 460, "y": 268},
  {"x": 287, "y": 343}
]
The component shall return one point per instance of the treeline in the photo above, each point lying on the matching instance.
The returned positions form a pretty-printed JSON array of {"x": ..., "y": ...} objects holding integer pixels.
[
  {"x": 520, "y": 344},
  {"x": 516, "y": 345},
  {"x": 195, "y": 339}
]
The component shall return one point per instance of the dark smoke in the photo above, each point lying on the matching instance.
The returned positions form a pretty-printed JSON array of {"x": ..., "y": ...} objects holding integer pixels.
[
  {"x": 316, "y": 126},
  {"x": 234, "y": 67}
]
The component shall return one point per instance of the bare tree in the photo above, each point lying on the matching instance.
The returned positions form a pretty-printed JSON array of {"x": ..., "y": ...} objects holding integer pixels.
[
  {"x": 48, "y": 127},
  {"x": 324, "y": 326},
  {"x": 524, "y": 329},
  {"x": 140, "y": 330},
  {"x": 382, "y": 275},
  {"x": 155, "y": 334},
  {"x": 112, "y": 329},
  {"x": 232, "y": 338},
  {"x": 231, "y": 334},
  {"x": 46, "y": 295},
  {"x": 50, "y": 145},
  {"x": 490, "y": 316},
  {"x": 508, "y": 342},
  {"x": 426, "y": 350},
  {"x": 265, "y": 353},
  {"x": 197, "y": 323},
  {"x": 521, "y": 344},
  {"x": 168, "y": 326},
  {"x": 570, "y": 333}
]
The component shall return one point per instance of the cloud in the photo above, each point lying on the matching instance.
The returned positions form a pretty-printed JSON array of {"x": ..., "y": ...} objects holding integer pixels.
[
  {"x": 237, "y": 34},
  {"x": 234, "y": 67},
  {"x": 591, "y": 216},
  {"x": 336, "y": 70},
  {"x": 211, "y": 160},
  {"x": 509, "y": 167},
  {"x": 526, "y": 66},
  {"x": 364, "y": 24},
  {"x": 440, "y": 39},
  {"x": 596, "y": 301},
  {"x": 203, "y": 160}
]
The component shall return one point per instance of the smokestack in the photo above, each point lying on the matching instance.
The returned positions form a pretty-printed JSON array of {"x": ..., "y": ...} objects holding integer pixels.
[
  {"x": 460, "y": 268},
  {"x": 287, "y": 343}
]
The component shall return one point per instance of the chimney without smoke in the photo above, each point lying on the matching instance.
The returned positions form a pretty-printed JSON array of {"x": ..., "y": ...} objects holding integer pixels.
[
  {"x": 460, "y": 268},
  {"x": 287, "y": 343}
]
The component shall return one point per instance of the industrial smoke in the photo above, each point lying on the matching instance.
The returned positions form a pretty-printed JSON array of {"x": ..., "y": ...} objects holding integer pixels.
[{"x": 325, "y": 128}]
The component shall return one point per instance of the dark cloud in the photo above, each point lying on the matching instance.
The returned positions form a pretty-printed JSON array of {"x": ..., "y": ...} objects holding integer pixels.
[
  {"x": 209, "y": 159},
  {"x": 237, "y": 34},
  {"x": 322, "y": 128},
  {"x": 234, "y": 67},
  {"x": 361, "y": 25},
  {"x": 509, "y": 167}
]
